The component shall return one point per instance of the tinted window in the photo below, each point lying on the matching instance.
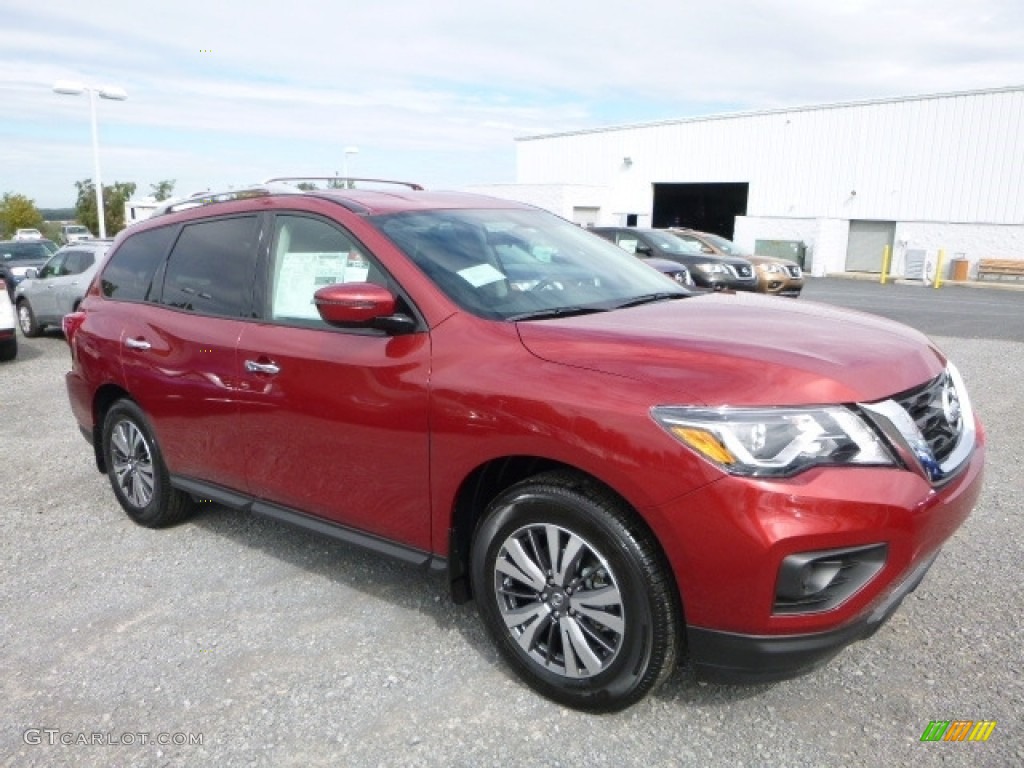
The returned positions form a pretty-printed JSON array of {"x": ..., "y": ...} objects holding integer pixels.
[
  {"x": 306, "y": 255},
  {"x": 129, "y": 273},
  {"x": 212, "y": 268},
  {"x": 77, "y": 262}
]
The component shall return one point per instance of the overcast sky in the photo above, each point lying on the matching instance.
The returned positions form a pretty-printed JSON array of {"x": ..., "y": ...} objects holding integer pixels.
[{"x": 222, "y": 93}]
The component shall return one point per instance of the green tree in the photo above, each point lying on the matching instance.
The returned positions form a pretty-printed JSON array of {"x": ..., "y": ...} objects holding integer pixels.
[
  {"x": 18, "y": 212},
  {"x": 163, "y": 190},
  {"x": 114, "y": 197}
]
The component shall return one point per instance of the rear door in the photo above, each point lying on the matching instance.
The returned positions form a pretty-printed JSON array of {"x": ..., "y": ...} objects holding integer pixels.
[
  {"x": 178, "y": 347},
  {"x": 334, "y": 421}
]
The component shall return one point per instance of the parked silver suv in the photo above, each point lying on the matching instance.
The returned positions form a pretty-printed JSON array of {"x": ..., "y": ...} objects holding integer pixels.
[
  {"x": 72, "y": 233},
  {"x": 55, "y": 289}
]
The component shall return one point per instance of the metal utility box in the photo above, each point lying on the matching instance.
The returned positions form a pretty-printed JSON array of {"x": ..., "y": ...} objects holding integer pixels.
[{"x": 794, "y": 250}]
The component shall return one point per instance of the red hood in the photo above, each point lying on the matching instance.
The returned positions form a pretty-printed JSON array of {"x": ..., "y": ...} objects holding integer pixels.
[{"x": 743, "y": 349}]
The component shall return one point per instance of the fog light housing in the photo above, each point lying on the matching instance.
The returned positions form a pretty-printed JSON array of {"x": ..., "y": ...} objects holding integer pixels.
[{"x": 811, "y": 582}]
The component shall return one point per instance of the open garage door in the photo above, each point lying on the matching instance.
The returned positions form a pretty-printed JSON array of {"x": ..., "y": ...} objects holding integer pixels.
[{"x": 707, "y": 207}]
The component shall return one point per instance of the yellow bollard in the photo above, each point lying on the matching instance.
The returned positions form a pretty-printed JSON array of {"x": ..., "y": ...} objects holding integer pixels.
[
  {"x": 938, "y": 269},
  {"x": 886, "y": 258}
]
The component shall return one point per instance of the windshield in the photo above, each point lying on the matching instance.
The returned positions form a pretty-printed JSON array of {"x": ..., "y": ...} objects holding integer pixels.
[
  {"x": 76, "y": 230},
  {"x": 670, "y": 243},
  {"x": 510, "y": 264},
  {"x": 726, "y": 246},
  {"x": 26, "y": 251}
]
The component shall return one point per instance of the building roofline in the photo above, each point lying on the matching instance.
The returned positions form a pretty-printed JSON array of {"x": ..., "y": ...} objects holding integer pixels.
[{"x": 777, "y": 111}]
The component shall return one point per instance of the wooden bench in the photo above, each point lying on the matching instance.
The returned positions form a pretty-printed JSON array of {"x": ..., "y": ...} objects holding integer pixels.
[{"x": 1000, "y": 268}]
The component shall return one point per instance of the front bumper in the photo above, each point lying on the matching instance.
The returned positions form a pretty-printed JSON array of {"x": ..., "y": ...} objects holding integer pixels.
[
  {"x": 727, "y": 657},
  {"x": 777, "y": 285},
  {"x": 728, "y": 540}
]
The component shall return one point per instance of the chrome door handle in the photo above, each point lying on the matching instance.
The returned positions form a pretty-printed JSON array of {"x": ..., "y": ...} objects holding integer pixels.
[
  {"x": 253, "y": 367},
  {"x": 137, "y": 344}
]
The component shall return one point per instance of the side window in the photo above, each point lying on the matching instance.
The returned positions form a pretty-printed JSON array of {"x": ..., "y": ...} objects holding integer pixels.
[
  {"x": 53, "y": 267},
  {"x": 77, "y": 262},
  {"x": 306, "y": 255},
  {"x": 212, "y": 269},
  {"x": 128, "y": 275}
]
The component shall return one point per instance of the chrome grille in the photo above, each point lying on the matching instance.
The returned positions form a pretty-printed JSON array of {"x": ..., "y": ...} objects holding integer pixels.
[
  {"x": 743, "y": 270},
  {"x": 795, "y": 271},
  {"x": 931, "y": 425},
  {"x": 935, "y": 409}
]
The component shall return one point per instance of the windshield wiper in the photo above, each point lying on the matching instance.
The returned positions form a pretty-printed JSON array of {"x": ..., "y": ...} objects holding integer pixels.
[
  {"x": 544, "y": 314},
  {"x": 650, "y": 298}
]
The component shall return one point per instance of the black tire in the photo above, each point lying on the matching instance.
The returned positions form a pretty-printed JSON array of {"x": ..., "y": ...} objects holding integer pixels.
[
  {"x": 599, "y": 631},
  {"x": 8, "y": 349},
  {"x": 27, "y": 320},
  {"x": 137, "y": 471}
]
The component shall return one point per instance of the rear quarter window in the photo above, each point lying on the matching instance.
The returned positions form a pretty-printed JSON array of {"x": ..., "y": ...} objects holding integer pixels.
[{"x": 128, "y": 275}]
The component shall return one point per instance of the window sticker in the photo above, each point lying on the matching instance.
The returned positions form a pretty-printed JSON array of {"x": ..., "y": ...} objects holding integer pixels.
[
  {"x": 300, "y": 276},
  {"x": 480, "y": 275}
]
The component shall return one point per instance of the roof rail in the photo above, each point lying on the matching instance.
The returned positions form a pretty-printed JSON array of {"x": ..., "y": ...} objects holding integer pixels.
[
  {"x": 278, "y": 185},
  {"x": 343, "y": 182},
  {"x": 207, "y": 198}
]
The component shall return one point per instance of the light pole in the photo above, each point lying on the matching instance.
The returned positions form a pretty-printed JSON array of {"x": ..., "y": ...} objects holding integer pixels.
[
  {"x": 344, "y": 164},
  {"x": 111, "y": 92}
]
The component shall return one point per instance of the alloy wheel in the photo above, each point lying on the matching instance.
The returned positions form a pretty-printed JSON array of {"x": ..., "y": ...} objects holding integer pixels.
[{"x": 560, "y": 600}]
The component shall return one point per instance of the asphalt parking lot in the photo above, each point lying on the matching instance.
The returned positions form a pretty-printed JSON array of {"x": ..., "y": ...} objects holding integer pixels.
[{"x": 273, "y": 647}]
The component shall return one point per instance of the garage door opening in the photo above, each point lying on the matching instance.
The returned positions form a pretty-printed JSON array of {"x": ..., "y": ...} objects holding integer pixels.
[{"x": 707, "y": 207}]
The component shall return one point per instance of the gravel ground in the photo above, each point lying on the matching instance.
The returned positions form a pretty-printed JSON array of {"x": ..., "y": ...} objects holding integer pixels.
[{"x": 274, "y": 647}]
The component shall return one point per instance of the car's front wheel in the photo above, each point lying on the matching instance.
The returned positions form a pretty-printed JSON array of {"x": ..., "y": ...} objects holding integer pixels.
[
  {"x": 575, "y": 593},
  {"x": 27, "y": 320},
  {"x": 137, "y": 471}
]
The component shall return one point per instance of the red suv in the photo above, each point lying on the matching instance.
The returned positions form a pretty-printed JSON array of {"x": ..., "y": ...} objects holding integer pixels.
[{"x": 620, "y": 472}]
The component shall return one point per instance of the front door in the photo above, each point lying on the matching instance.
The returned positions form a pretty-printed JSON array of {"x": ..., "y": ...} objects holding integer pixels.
[{"x": 334, "y": 421}]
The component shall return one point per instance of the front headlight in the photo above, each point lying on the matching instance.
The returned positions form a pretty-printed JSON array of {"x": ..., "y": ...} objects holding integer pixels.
[
  {"x": 772, "y": 269},
  {"x": 775, "y": 442},
  {"x": 711, "y": 268}
]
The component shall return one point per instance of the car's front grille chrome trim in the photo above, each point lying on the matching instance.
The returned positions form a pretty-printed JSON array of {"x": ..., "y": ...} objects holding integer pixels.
[{"x": 931, "y": 426}]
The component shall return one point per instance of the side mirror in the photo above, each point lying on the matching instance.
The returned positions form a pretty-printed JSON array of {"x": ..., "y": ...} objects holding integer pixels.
[
  {"x": 364, "y": 305},
  {"x": 31, "y": 273}
]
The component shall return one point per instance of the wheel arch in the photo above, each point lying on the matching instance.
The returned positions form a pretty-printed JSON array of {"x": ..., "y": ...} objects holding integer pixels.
[
  {"x": 493, "y": 477},
  {"x": 105, "y": 397}
]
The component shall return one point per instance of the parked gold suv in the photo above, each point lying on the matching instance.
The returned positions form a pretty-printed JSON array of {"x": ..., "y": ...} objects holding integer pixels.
[{"x": 781, "y": 277}]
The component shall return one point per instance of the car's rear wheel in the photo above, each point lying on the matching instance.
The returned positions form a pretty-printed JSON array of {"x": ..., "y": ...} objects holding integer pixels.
[
  {"x": 575, "y": 593},
  {"x": 137, "y": 471},
  {"x": 27, "y": 320}
]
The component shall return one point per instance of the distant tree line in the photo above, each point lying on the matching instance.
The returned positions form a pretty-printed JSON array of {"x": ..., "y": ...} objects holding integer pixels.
[{"x": 20, "y": 212}]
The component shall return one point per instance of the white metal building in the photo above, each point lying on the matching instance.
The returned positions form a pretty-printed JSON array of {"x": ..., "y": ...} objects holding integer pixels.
[{"x": 919, "y": 174}]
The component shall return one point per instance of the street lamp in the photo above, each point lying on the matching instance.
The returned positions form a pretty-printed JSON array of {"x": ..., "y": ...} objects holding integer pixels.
[
  {"x": 111, "y": 92},
  {"x": 344, "y": 164}
]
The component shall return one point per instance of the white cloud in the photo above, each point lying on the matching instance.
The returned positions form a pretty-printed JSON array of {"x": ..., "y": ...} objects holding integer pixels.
[{"x": 438, "y": 91}]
